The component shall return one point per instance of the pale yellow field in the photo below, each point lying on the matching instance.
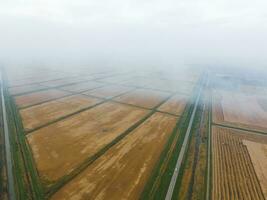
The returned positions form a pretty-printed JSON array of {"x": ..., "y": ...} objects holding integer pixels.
[
  {"x": 144, "y": 98},
  {"x": 39, "y": 115},
  {"x": 80, "y": 87},
  {"x": 240, "y": 109},
  {"x": 39, "y": 97},
  {"x": 108, "y": 91},
  {"x": 175, "y": 105},
  {"x": 60, "y": 82},
  {"x": 121, "y": 173},
  {"x": 26, "y": 88},
  {"x": 61, "y": 147}
]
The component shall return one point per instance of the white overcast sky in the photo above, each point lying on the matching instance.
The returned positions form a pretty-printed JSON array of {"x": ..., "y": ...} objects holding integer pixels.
[{"x": 166, "y": 32}]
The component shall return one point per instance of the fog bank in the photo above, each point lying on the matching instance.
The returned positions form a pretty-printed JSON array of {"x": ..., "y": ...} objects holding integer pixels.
[{"x": 134, "y": 33}]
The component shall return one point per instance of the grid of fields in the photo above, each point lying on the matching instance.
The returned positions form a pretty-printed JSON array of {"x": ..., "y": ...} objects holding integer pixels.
[{"x": 85, "y": 131}]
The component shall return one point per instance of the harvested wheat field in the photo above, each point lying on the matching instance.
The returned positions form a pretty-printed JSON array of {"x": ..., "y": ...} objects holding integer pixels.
[
  {"x": 24, "y": 89},
  {"x": 144, "y": 98},
  {"x": 121, "y": 173},
  {"x": 39, "y": 97},
  {"x": 39, "y": 115},
  {"x": 240, "y": 109},
  {"x": 233, "y": 173},
  {"x": 108, "y": 91},
  {"x": 81, "y": 87},
  {"x": 61, "y": 147},
  {"x": 175, "y": 105},
  {"x": 258, "y": 155}
]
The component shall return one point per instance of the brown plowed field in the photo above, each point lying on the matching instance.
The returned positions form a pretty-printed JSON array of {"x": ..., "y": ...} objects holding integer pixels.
[
  {"x": 39, "y": 97},
  {"x": 121, "y": 173},
  {"x": 61, "y": 147},
  {"x": 239, "y": 109},
  {"x": 233, "y": 174},
  {"x": 258, "y": 155},
  {"x": 26, "y": 88},
  {"x": 39, "y": 115},
  {"x": 80, "y": 87},
  {"x": 175, "y": 105},
  {"x": 108, "y": 91},
  {"x": 144, "y": 98}
]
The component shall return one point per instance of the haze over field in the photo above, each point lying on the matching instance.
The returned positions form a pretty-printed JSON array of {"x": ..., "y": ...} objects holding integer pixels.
[{"x": 134, "y": 33}]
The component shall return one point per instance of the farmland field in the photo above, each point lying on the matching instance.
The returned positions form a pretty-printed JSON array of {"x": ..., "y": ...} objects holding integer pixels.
[
  {"x": 39, "y": 115},
  {"x": 175, "y": 105},
  {"x": 81, "y": 87},
  {"x": 26, "y": 88},
  {"x": 143, "y": 98},
  {"x": 234, "y": 175},
  {"x": 106, "y": 178},
  {"x": 60, "y": 147},
  {"x": 39, "y": 97},
  {"x": 240, "y": 109},
  {"x": 108, "y": 91}
]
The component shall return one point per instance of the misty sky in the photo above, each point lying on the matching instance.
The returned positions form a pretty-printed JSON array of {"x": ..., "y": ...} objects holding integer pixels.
[{"x": 140, "y": 32}]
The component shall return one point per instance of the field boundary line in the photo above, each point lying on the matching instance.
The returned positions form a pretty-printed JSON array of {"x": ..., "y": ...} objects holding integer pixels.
[{"x": 262, "y": 133}]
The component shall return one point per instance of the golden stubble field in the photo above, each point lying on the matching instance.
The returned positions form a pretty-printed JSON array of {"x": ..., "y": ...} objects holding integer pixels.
[
  {"x": 39, "y": 97},
  {"x": 61, "y": 147},
  {"x": 143, "y": 97},
  {"x": 234, "y": 169},
  {"x": 175, "y": 105},
  {"x": 121, "y": 173},
  {"x": 39, "y": 115}
]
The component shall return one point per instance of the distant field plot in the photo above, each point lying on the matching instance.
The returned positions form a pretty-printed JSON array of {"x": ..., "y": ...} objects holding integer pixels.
[
  {"x": 116, "y": 79},
  {"x": 239, "y": 109},
  {"x": 24, "y": 89},
  {"x": 80, "y": 87},
  {"x": 61, "y": 82},
  {"x": 175, "y": 105},
  {"x": 36, "y": 79},
  {"x": 171, "y": 86},
  {"x": 39, "y": 97},
  {"x": 144, "y": 98},
  {"x": 108, "y": 91},
  {"x": 233, "y": 173},
  {"x": 39, "y": 115},
  {"x": 61, "y": 147},
  {"x": 121, "y": 173}
]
